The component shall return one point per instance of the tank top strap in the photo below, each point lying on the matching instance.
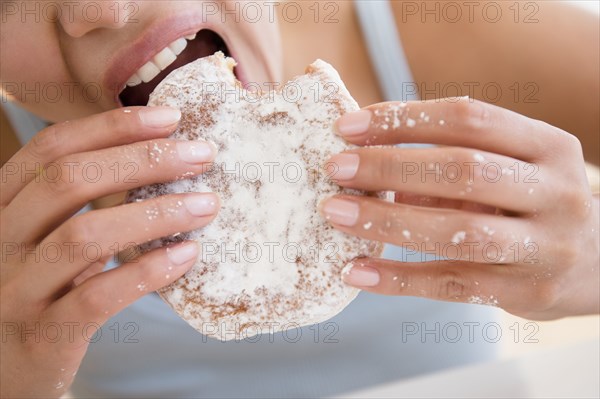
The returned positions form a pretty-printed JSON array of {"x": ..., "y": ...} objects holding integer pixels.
[{"x": 381, "y": 35}]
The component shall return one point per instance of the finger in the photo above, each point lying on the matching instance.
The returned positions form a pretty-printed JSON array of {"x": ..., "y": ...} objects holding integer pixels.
[
  {"x": 446, "y": 233},
  {"x": 79, "y": 178},
  {"x": 92, "y": 270},
  {"x": 444, "y": 172},
  {"x": 105, "y": 294},
  {"x": 436, "y": 202},
  {"x": 462, "y": 122},
  {"x": 511, "y": 288},
  {"x": 84, "y": 239},
  {"x": 117, "y": 127}
]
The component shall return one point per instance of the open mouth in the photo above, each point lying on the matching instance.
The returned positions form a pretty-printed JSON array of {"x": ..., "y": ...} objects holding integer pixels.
[{"x": 177, "y": 54}]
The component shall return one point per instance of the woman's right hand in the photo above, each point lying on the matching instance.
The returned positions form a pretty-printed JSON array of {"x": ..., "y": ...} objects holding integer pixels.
[{"x": 54, "y": 294}]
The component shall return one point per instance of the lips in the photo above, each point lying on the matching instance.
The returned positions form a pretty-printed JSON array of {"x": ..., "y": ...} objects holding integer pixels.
[{"x": 178, "y": 53}]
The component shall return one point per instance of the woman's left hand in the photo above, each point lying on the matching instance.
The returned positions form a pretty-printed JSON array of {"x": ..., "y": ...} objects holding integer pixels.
[{"x": 503, "y": 202}]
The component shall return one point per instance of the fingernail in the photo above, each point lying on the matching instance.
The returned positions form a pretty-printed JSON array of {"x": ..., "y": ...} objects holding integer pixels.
[
  {"x": 195, "y": 151},
  {"x": 360, "y": 276},
  {"x": 341, "y": 211},
  {"x": 346, "y": 166},
  {"x": 201, "y": 204},
  {"x": 354, "y": 123},
  {"x": 182, "y": 253},
  {"x": 159, "y": 116}
]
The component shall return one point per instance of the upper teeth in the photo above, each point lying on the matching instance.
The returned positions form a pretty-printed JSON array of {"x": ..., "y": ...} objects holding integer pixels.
[{"x": 159, "y": 62}]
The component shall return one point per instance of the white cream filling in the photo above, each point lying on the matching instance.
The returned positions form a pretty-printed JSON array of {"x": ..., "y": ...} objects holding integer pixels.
[{"x": 159, "y": 62}]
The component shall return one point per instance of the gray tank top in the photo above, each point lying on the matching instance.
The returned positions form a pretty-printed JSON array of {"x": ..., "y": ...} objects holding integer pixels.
[{"x": 148, "y": 351}]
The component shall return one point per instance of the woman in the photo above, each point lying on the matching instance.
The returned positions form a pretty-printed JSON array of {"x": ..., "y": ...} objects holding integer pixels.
[{"x": 535, "y": 57}]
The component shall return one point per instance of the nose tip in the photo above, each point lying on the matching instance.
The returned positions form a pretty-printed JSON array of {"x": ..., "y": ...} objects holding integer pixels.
[{"x": 78, "y": 18}]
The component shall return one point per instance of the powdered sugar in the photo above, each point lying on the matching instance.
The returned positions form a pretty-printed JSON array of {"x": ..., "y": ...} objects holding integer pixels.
[
  {"x": 483, "y": 300},
  {"x": 458, "y": 237},
  {"x": 346, "y": 270}
]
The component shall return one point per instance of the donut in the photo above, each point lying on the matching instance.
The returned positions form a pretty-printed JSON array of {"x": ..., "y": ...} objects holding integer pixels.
[{"x": 268, "y": 262}]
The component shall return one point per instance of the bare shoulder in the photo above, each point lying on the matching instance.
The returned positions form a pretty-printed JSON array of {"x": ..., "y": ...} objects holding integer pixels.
[
  {"x": 537, "y": 58},
  {"x": 485, "y": 37}
]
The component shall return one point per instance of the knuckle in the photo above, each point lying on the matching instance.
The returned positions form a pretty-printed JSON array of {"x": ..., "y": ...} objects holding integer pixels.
[
  {"x": 481, "y": 243},
  {"x": 146, "y": 271},
  {"x": 391, "y": 220},
  {"x": 558, "y": 143},
  {"x": 472, "y": 115},
  {"x": 575, "y": 201},
  {"x": 46, "y": 143},
  {"x": 548, "y": 293},
  {"x": 149, "y": 155},
  {"x": 569, "y": 252},
  {"x": 401, "y": 282},
  {"x": 570, "y": 142},
  {"x": 76, "y": 230},
  {"x": 464, "y": 163},
  {"x": 32, "y": 346},
  {"x": 391, "y": 167},
  {"x": 452, "y": 286},
  {"x": 472, "y": 232},
  {"x": 92, "y": 298},
  {"x": 59, "y": 178},
  {"x": 113, "y": 119}
]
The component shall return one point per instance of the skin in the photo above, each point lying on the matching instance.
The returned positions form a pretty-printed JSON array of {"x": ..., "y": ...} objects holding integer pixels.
[{"x": 560, "y": 216}]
